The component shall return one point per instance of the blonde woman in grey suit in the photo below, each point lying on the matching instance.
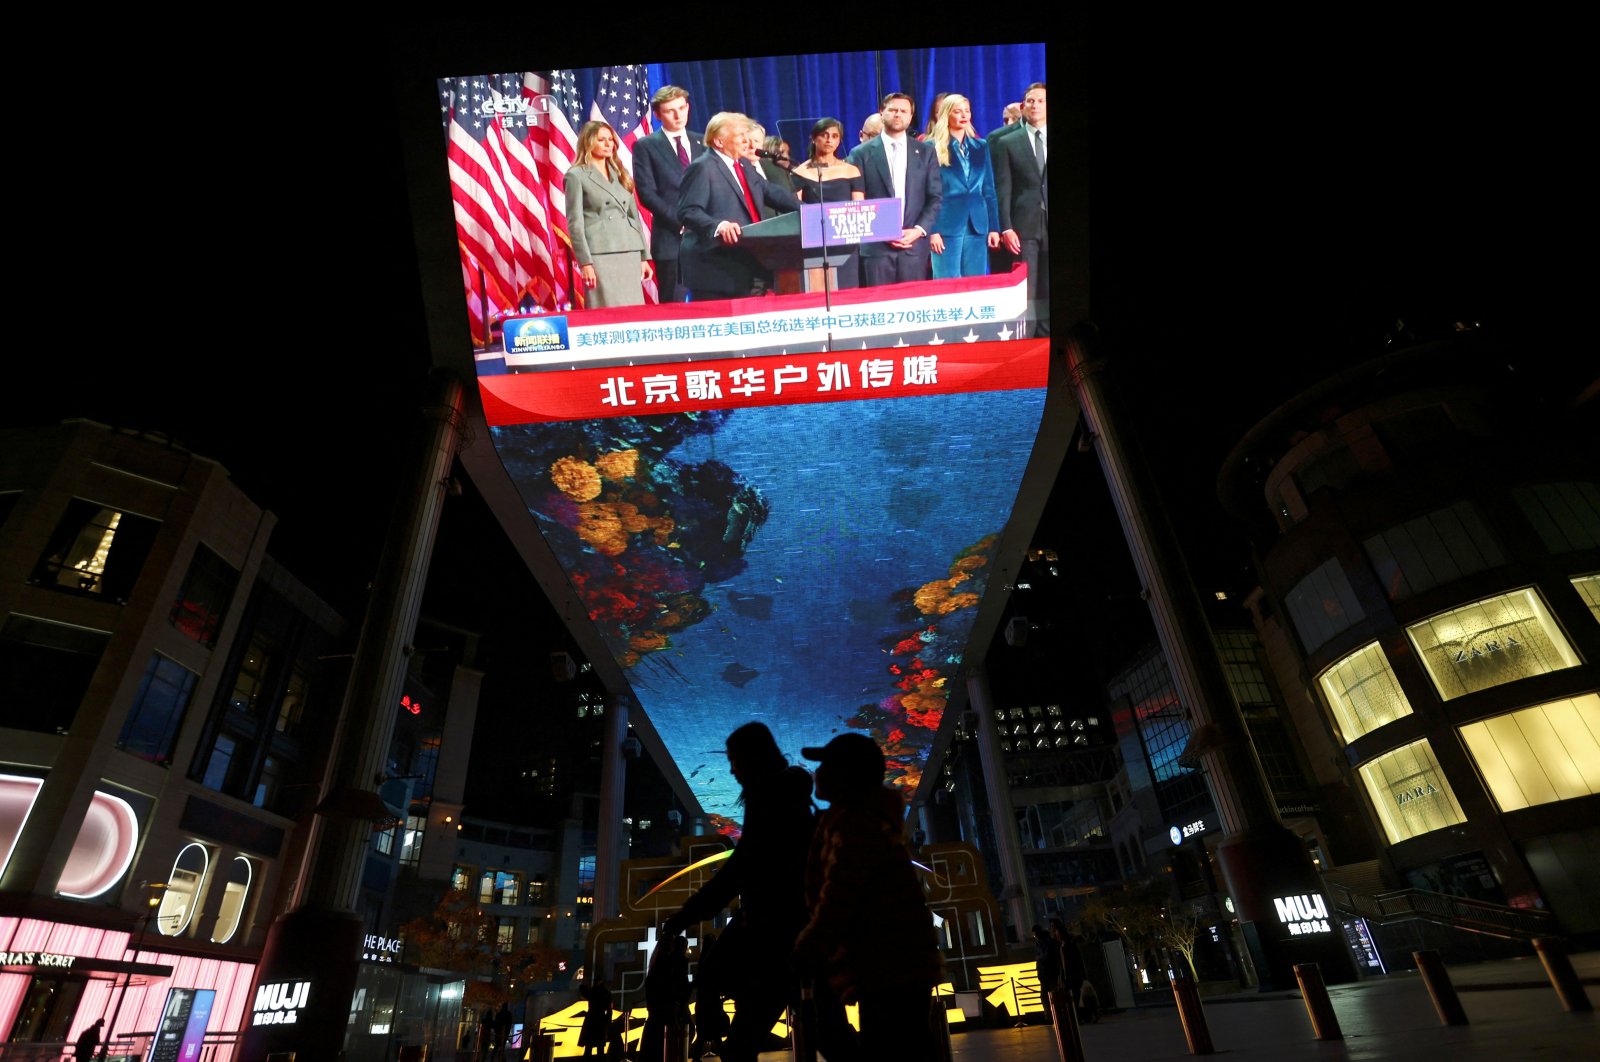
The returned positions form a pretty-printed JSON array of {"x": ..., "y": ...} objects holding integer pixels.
[{"x": 608, "y": 239}]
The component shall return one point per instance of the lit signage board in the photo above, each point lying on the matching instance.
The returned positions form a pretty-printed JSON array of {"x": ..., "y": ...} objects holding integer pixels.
[
  {"x": 1179, "y": 834},
  {"x": 280, "y": 1003},
  {"x": 1303, "y": 914},
  {"x": 183, "y": 1025},
  {"x": 781, "y": 508}
]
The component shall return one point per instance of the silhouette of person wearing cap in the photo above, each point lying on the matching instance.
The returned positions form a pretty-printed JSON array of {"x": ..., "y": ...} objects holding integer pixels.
[
  {"x": 870, "y": 935},
  {"x": 766, "y": 873}
]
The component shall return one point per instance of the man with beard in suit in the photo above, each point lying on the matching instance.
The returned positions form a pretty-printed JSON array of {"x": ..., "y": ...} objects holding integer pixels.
[
  {"x": 1021, "y": 182},
  {"x": 719, "y": 195},
  {"x": 658, "y": 164},
  {"x": 898, "y": 166}
]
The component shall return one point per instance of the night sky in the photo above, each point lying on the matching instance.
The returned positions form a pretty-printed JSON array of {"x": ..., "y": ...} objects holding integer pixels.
[{"x": 1268, "y": 201}]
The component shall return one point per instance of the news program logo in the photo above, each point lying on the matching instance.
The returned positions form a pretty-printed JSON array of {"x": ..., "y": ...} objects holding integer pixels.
[{"x": 535, "y": 337}]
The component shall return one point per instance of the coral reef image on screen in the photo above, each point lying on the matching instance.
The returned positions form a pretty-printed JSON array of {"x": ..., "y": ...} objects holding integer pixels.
[{"x": 816, "y": 567}]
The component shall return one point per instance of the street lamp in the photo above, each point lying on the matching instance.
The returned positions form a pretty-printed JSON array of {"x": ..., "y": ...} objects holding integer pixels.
[{"x": 151, "y": 903}]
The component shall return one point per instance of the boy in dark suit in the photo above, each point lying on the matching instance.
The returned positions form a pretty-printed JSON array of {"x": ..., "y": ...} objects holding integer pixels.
[{"x": 658, "y": 164}]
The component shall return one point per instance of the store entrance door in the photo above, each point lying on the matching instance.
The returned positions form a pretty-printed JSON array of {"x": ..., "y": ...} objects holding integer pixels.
[{"x": 47, "y": 1010}]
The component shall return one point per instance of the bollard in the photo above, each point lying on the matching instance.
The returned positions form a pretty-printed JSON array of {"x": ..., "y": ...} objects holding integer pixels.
[
  {"x": 1193, "y": 1016},
  {"x": 1443, "y": 993},
  {"x": 803, "y": 1026},
  {"x": 939, "y": 1027},
  {"x": 1563, "y": 978},
  {"x": 1064, "y": 1022},
  {"x": 1324, "y": 1022}
]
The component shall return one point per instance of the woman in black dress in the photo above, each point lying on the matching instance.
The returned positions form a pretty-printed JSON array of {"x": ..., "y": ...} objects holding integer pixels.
[{"x": 826, "y": 178}]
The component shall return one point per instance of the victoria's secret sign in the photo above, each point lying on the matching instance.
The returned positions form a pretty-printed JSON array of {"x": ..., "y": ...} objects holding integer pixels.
[{"x": 36, "y": 958}]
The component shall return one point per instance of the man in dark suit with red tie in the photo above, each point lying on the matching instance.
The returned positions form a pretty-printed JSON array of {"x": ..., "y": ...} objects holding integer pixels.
[
  {"x": 719, "y": 195},
  {"x": 1022, "y": 184},
  {"x": 896, "y": 155},
  {"x": 658, "y": 164}
]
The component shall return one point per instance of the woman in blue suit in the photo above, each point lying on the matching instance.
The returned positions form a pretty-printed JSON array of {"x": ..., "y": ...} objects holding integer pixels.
[{"x": 969, "y": 215}]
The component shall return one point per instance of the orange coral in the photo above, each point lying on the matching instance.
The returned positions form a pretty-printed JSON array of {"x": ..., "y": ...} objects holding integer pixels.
[
  {"x": 648, "y": 642},
  {"x": 575, "y": 478},
  {"x": 938, "y": 599},
  {"x": 619, "y": 464},
  {"x": 968, "y": 564},
  {"x": 599, "y": 525}
]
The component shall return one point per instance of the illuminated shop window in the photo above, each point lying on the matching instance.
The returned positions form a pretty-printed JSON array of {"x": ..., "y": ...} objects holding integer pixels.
[
  {"x": 1490, "y": 642},
  {"x": 1588, "y": 587},
  {"x": 96, "y": 550},
  {"x": 1432, "y": 550},
  {"x": 182, "y": 895},
  {"x": 499, "y": 886},
  {"x": 234, "y": 895},
  {"x": 1541, "y": 754},
  {"x": 103, "y": 849},
  {"x": 1362, "y": 693},
  {"x": 1566, "y": 515},
  {"x": 1322, "y": 604},
  {"x": 411, "y": 844},
  {"x": 1410, "y": 793}
]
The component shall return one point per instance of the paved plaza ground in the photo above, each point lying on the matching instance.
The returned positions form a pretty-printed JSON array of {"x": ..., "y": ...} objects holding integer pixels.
[{"x": 1514, "y": 1015}]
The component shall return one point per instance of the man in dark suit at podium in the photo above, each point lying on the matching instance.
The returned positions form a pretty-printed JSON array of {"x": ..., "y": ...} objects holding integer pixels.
[
  {"x": 658, "y": 164},
  {"x": 898, "y": 166},
  {"x": 719, "y": 195},
  {"x": 1022, "y": 184}
]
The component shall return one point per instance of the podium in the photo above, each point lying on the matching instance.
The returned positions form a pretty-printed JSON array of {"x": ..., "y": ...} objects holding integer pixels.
[
  {"x": 796, "y": 258},
  {"x": 775, "y": 243}
]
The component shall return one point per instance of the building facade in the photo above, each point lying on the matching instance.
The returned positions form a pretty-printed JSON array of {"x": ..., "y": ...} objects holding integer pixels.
[
  {"x": 1429, "y": 554},
  {"x": 166, "y": 706}
]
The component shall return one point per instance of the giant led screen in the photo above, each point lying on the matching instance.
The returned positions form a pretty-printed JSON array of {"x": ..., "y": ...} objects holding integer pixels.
[{"x": 782, "y": 506}]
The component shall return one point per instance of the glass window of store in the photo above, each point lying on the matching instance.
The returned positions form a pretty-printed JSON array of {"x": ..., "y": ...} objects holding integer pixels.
[
  {"x": 1437, "y": 548},
  {"x": 1541, "y": 754},
  {"x": 1566, "y": 515},
  {"x": 96, "y": 550},
  {"x": 184, "y": 892},
  {"x": 235, "y": 894},
  {"x": 151, "y": 728},
  {"x": 1322, "y": 604},
  {"x": 204, "y": 597},
  {"x": 1363, "y": 693},
  {"x": 1490, "y": 642},
  {"x": 1588, "y": 587},
  {"x": 45, "y": 670},
  {"x": 1410, "y": 793}
]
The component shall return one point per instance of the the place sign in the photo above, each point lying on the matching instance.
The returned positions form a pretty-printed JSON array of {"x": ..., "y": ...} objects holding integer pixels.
[
  {"x": 1179, "y": 834},
  {"x": 381, "y": 949},
  {"x": 280, "y": 1003},
  {"x": 1307, "y": 913}
]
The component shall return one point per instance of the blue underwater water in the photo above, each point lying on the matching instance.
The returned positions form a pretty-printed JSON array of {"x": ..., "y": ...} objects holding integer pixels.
[{"x": 791, "y": 581}]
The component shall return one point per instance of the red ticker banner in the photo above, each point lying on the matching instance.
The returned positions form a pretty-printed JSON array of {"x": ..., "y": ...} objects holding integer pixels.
[{"x": 731, "y": 383}]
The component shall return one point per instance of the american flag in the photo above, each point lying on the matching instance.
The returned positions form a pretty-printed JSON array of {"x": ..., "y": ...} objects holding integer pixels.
[{"x": 510, "y": 139}]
